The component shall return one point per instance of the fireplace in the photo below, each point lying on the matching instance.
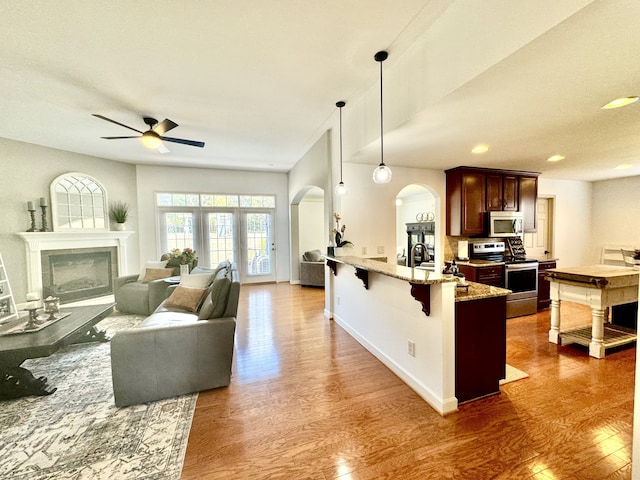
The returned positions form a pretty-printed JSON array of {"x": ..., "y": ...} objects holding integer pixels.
[
  {"x": 63, "y": 243},
  {"x": 78, "y": 274}
]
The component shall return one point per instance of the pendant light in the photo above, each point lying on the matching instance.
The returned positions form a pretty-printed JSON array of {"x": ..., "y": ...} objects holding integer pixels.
[
  {"x": 382, "y": 173},
  {"x": 341, "y": 190}
]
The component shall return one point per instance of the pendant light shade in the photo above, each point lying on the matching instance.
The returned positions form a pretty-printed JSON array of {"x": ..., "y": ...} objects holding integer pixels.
[
  {"x": 382, "y": 173},
  {"x": 340, "y": 189}
]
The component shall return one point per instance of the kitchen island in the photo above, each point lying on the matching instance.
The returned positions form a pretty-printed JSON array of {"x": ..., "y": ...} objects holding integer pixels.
[
  {"x": 600, "y": 287},
  {"x": 406, "y": 317}
]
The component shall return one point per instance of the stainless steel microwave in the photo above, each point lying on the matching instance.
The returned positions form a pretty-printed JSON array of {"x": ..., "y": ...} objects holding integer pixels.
[{"x": 505, "y": 224}]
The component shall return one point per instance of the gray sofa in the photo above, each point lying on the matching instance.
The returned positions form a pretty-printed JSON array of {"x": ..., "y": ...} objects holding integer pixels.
[
  {"x": 312, "y": 269},
  {"x": 175, "y": 351}
]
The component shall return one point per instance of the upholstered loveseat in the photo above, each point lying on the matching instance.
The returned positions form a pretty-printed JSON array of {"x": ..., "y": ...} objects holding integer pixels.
[
  {"x": 312, "y": 269},
  {"x": 179, "y": 349}
]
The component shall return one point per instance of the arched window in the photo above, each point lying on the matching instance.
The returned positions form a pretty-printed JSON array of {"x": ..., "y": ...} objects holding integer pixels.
[{"x": 78, "y": 202}]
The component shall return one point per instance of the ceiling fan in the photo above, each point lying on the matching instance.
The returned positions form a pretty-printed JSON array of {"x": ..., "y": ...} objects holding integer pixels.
[{"x": 153, "y": 137}]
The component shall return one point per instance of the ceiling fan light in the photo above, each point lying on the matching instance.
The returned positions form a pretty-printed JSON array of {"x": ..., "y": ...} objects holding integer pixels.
[
  {"x": 621, "y": 102},
  {"x": 151, "y": 139},
  {"x": 480, "y": 149},
  {"x": 382, "y": 174}
]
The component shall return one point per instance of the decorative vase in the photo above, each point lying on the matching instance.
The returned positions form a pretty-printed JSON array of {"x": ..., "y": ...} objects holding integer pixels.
[
  {"x": 331, "y": 250},
  {"x": 339, "y": 252},
  {"x": 184, "y": 269},
  {"x": 120, "y": 227}
]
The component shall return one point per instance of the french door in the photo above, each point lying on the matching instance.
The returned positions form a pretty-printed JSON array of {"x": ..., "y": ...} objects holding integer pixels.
[
  {"x": 258, "y": 246},
  {"x": 243, "y": 236}
]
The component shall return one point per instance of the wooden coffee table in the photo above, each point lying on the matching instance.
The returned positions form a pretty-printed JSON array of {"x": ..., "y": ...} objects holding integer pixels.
[{"x": 15, "y": 348}]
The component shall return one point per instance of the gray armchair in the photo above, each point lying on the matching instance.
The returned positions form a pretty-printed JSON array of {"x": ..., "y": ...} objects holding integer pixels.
[
  {"x": 140, "y": 298},
  {"x": 312, "y": 269}
]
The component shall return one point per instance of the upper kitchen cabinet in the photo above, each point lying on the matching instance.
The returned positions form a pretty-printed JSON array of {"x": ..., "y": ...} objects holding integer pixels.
[
  {"x": 466, "y": 199},
  {"x": 528, "y": 201},
  {"x": 502, "y": 192},
  {"x": 472, "y": 192}
]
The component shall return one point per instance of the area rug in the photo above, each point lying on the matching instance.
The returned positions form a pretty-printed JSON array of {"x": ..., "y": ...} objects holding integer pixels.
[
  {"x": 79, "y": 433},
  {"x": 512, "y": 374}
]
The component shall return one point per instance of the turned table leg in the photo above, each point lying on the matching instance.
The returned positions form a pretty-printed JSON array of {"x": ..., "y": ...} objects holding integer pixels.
[
  {"x": 596, "y": 347},
  {"x": 554, "y": 331}
]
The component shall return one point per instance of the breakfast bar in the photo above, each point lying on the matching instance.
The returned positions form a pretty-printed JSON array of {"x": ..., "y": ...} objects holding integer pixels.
[
  {"x": 599, "y": 287},
  {"x": 408, "y": 318}
]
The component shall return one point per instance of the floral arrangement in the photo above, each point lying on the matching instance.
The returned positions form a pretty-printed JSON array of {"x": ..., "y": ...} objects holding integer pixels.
[
  {"x": 182, "y": 257},
  {"x": 339, "y": 233}
]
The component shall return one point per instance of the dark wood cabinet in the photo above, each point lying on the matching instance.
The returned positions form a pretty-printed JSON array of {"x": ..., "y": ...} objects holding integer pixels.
[
  {"x": 502, "y": 192},
  {"x": 489, "y": 275},
  {"x": 466, "y": 199},
  {"x": 544, "y": 295},
  {"x": 481, "y": 347},
  {"x": 528, "y": 190},
  {"x": 472, "y": 192}
]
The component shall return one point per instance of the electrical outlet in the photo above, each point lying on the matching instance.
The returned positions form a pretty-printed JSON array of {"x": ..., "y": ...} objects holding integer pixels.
[
  {"x": 411, "y": 347},
  {"x": 364, "y": 250},
  {"x": 380, "y": 249}
]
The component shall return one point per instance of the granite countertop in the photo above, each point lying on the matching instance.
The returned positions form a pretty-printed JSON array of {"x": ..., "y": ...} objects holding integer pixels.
[
  {"x": 412, "y": 275},
  {"x": 475, "y": 291},
  {"x": 478, "y": 291}
]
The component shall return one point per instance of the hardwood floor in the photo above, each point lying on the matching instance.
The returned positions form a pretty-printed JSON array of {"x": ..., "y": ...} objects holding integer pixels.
[{"x": 306, "y": 401}]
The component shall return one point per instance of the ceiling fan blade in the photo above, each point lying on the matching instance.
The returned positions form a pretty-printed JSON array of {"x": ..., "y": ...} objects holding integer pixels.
[
  {"x": 164, "y": 126},
  {"x": 117, "y": 123},
  {"x": 193, "y": 143},
  {"x": 116, "y": 138},
  {"x": 163, "y": 148}
]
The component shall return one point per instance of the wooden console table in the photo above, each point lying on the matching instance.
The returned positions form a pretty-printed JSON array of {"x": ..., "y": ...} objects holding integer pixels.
[{"x": 600, "y": 287}]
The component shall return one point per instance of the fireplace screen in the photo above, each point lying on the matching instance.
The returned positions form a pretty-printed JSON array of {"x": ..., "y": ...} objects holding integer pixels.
[{"x": 74, "y": 276}]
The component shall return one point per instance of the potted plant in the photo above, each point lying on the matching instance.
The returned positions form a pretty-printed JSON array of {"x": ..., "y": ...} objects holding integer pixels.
[
  {"x": 339, "y": 236},
  {"x": 118, "y": 213}
]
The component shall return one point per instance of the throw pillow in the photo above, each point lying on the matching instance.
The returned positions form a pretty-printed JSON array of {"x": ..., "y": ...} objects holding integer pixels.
[
  {"x": 151, "y": 264},
  {"x": 200, "y": 280},
  {"x": 185, "y": 298},
  {"x": 215, "y": 303},
  {"x": 156, "y": 274}
]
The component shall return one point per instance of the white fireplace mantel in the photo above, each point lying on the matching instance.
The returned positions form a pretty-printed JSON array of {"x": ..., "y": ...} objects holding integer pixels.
[{"x": 36, "y": 242}]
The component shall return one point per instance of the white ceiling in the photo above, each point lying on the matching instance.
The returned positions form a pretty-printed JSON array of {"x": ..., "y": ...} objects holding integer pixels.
[{"x": 258, "y": 80}]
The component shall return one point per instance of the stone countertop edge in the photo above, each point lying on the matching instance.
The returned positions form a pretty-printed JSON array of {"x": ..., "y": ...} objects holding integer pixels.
[
  {"x": 476, "y": 291},
  {"x": 411, "y": 275}
]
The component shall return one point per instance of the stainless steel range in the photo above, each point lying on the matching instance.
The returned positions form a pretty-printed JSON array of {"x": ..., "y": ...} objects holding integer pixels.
[{"x": 520, "y": 274}]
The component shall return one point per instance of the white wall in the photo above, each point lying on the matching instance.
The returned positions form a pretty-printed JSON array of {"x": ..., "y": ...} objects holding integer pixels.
[
  {"x": 573, "y": 244},
  {"x": 27, "y": 172},
  {"x": 369, "y": 211},
  {"x": 311, "y": 224},
  {"x": 152, "y": 179},
  {"x": 616, "y": 211}
]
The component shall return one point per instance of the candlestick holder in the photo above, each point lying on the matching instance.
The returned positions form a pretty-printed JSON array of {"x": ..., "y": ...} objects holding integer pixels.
[
  {"x": 32, "y": 213},
  {"x": 44, "y": 218},
  {"x": 33, "y": 316}
]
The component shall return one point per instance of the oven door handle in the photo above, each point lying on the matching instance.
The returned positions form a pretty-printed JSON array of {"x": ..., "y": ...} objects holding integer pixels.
[{"x": 521, "y": 266}]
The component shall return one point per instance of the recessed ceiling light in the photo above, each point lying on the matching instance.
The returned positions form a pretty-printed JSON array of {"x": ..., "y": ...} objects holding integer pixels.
[
  {"x": 555, "y": 158},
  {"x": 479, "y": 149},
  {"x": 621, "y": 102},
  {"x": 624, "y": 166}
]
